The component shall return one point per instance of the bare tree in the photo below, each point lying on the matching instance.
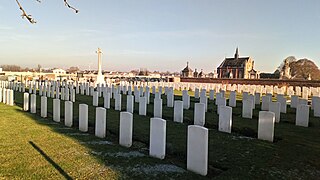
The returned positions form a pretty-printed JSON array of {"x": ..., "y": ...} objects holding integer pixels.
[{"x": 29, "y": 16}]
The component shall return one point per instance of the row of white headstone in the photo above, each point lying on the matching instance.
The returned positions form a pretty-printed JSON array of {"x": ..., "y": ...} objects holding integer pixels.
[
  {"x": 7, "y": 96},
  {"x": 305, "y": 92},
  {"x": 197, "y": 152},
  {"x": 302, "y": 112},
  {"x": 265, "y": 127}
]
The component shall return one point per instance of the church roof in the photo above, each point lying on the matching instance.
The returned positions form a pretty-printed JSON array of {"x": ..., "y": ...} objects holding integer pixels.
[
  {"x": 233, "y": 62},
  {"x": 252, "y": 71}
]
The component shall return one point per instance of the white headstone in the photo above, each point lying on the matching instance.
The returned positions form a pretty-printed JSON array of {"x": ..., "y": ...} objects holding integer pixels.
[
  {"x": 68, "y": 113},
  {"x": 157, "y": 108},
  {"x": 33, "y": 104},
  {"x": 106, "y": 101},
  {"x": 204, "y": 100},
  {"x": 316, "y": 107},
  {"x": 130, "y": 103},
  {"x": 126, "y": 125},
  {"x": 25, "y": 101},
  {"x": 95, "y": 98},
  {"x": 44, "y": 106},
  {"x": 83, "y": 117},
  {"x": 294, "y": 101},
  {"x": 100, "y": 130},
  {"x": 143, "y": 106},
  {"x": 117, "y": 104},
  {"x": 197, "y": 93},
  {"x": 275, "y": 108},
  {"x": 225, "y": 119},
  {"x": 232, "y": 99},
  {"x": 211, "y": 95},
  {"x": 11, "y": 98},
  {"x": 186, "y": 101},
  {"x": 199, "y": 114},
  {"x": 170, "y": 99},
  {"x": 56, "y": 110},
  {"x": 257, "y": 98},
  {"x": 265, "y": 103},
  {"x": 283, "y": 103},
  {"x": 247, "y": 108},
  {"x": 1, "y": 95},
  {"x": 197, "y": 150},
  {"x": 302, "y": 115},
  {"x": 178, "y": 111},
  {"x": 266, "y": 125},
  {"x": 157, "y": 146}
]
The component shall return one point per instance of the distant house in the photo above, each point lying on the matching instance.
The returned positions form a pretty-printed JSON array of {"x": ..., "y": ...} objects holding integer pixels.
[
  {"x": 213, "y": 74},
  {"x": 58, "y": 71},
  {"x": 237, "y": 67},
  {"x": 187, "y": 72}
]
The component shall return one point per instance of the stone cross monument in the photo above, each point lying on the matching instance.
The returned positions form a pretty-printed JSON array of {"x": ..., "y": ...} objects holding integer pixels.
[{"x": 100, "y": 77}]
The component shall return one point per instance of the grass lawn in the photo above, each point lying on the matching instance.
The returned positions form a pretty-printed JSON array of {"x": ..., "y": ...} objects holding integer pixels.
[
  {"x": 239, "y": 155},
  {"x": 36, "y": 148}
]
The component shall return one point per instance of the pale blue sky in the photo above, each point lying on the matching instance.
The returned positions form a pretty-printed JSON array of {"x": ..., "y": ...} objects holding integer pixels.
[{"x": 159, "y": 34}]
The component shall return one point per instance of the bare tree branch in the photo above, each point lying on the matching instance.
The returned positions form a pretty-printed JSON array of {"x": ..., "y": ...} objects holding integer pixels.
[
  {"x": 25, "y": 15},
  {"x": 69, "y": 6},
  {"x": 29, "y": 16}
]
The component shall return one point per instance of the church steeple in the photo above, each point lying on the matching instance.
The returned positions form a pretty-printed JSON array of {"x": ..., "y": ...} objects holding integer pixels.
[{"x": 236, "y": 55}]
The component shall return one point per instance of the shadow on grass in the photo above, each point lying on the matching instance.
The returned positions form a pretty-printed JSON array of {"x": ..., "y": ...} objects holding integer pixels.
[
  {"x": 226, "y": 151},
  {"x": 54, "y": 164},
  {"x": 112, "y": 136}
]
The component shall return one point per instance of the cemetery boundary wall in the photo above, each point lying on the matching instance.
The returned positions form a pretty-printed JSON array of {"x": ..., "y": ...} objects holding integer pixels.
[{"x": 274, "y": 82}]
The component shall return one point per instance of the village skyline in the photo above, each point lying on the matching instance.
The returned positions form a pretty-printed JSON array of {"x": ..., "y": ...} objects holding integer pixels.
[{"x": 159, "y": 36}]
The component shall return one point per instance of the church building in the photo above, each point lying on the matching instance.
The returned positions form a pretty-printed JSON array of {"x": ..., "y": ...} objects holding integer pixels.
[
  {"x": 237, "y": 67},
  {"x": 187, "y": 72}
]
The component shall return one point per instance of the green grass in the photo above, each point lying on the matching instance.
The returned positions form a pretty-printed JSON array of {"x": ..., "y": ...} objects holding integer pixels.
[
  {"x": 293, "y": 155},
  {"x": 35, "y": 148}
]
